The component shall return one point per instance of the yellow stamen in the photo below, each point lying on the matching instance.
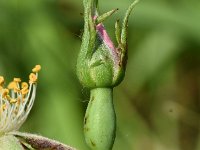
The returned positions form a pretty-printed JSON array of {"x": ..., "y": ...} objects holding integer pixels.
[
  {"x": 24, "y": 85},
  {"x": 8, "y": 97},
  {"x": 12, "y": 85},
  {"x": 1, "y": 80},
  {"x": 3, "y": 107},
  {"x": 16, "y": 90},
  {"x": 5, "y": 93},
  {"x": 17, "y": 80},
  {"x": 32, "y": 78},
  {"x": 13, "y": 100},
  {"x": 24, "y": 91},
  {"x": 18, "y": 101},
  {"x": 36, "y": 69},
  {"x": 1, "y": 88}
]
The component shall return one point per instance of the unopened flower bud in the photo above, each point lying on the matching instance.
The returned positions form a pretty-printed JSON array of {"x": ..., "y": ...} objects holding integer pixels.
[{"x": 100, "y": 63}]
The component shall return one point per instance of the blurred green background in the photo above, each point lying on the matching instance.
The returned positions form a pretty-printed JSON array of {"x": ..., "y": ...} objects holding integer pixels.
[{"x": 158, "y": 103}]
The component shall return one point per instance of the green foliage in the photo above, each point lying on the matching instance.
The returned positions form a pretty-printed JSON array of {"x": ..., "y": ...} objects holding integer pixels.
[{"x": 157, "y": 105}]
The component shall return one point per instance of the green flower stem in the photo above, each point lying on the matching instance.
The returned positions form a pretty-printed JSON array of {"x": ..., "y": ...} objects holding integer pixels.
[{"x": 100, "y": 120}]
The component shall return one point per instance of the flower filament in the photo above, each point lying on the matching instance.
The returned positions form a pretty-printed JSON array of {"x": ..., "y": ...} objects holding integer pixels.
[{"x": 16, "y": 101}]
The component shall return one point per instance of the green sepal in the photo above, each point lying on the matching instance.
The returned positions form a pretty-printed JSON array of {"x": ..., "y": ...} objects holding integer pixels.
[
  {"x": 125, "y": 23},
  {"x": 118, "y": 32},
  {"x": 106, "y": 15}
]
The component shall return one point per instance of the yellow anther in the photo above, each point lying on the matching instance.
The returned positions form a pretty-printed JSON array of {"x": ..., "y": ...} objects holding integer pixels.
[
  {"x": 1, "y": 88},
  {"x": 13, "y": 100},
  {"x": 24, "y": 91},
  {"x": 3, "y": 107},
  {"x": 32, "y": 78},
  {"x": 16, "y": 89},
  {"x": 8, "y": 97},
  {"x": 5, "y": 93},
  {"x": 1, "y": 80},
  {"x": 24, "y": 85},
  {"x": 17, "y": 80},
  {"x": 37, "y": 68},
  {"x": 12, "y": 85},
  {"x": 18, "y": 101}
]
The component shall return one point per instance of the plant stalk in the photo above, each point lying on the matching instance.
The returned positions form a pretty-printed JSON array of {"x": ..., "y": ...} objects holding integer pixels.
[{"x": 100, "y": 120}]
